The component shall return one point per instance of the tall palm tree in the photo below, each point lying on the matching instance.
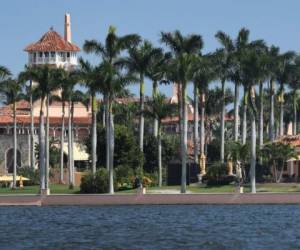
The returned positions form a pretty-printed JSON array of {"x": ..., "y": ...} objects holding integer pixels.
[
  {"x": 109, "y": 51},
  {"x": 46, "y": 77},
  {"x": 295, "y": 85},
  {"x": 223, "y": 58},
  {"x": 185, "y": 50},
  {"x": 283, "y": 76},
  {"x": 24, "y": 76},
  {"x": 273, "y": 54},
  {"x": 204, "y": 73},
  {"x": 156, "y": 72},
  {"x": 12, "y": 91},
  {"x": 250, "y": 66},
  {"x": 113, "y": 83},
  {"x": 91, "y": 81},
  {"x": 138, "y": 61},
  {"x": 4, "y": 72},
  {"x": 159, "y": 109}
]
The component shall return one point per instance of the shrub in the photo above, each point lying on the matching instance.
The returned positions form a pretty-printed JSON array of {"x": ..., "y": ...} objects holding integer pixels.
[
  {"x": 216, "y": 175},
  {"x": 95, "y": 184},
  {"x": 32, "y": 174},
  {"x": 124, "y": 176}
]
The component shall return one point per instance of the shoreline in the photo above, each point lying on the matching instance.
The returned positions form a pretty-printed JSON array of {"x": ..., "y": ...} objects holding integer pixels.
[{"x": 149, "y": 199}]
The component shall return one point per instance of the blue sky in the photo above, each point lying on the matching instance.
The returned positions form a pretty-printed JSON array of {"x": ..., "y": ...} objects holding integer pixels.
[{"x": 23, "y": 22}]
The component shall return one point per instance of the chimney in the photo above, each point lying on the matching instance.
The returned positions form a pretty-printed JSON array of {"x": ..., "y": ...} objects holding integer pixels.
[{"x": 68, "y": 35}]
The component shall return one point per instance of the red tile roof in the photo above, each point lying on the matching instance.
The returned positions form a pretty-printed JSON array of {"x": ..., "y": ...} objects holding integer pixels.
[
  {"x": 25, "y": 120},
  {"x": 52, "y": 41}
]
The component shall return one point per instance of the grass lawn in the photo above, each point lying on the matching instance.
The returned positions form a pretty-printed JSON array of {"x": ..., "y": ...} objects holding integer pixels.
[
  {"x": 63, "y": 189},
  {"x": 54, "y": 189}
]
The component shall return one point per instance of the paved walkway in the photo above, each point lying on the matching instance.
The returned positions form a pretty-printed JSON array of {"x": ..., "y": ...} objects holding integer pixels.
[{"x": 151, "y": 199}]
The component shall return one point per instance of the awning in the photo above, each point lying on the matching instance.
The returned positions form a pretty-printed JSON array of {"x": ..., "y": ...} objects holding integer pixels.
[
  {"x": 10, "y": 178},
  {"x": 79, "y": 152},
  {"x": 294, "y": 158}
]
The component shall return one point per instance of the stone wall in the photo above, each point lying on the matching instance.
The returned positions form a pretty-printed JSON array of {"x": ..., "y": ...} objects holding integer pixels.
[{"x": 6, "y": 143}]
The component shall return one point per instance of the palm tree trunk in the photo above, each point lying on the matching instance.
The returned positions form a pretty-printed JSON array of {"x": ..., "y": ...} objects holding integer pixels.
[
  {"x": 253, "y": 155},
  {"x": 142, "y": 104},
  {"x": 159, "y": 157},
  {"x": 295, "y": 113},
  {"x": 72, "y": 143},
  {"x": 244, "y": 128},
  {"x": 42, "y": 149},
  {"x": 271, "y": 122},
  {"x": 32, "y": 156},
  {"x": 47, "y": 153},
  {"x": 70, "y": 149},
  {"x": 202, "y": 127},
  {"x": 236, "y": 112},
  {"x": 62, "y": 140},
  {"x": 261, "y": 115},
  {"x": 104, "y": 112},
  {"x": 222, "y": 123},
  {"x": 196, "y": 123},
  {"x": 15, "y": 148},
  {"x": 94, "y": 134},
  {"x": 107, "y": 135},
  {"x": 111, "y": 149},
  {"x": 281, "y": 128},
  {"x": 183, "y": 109},
  {"x": 154, "y": 94}
]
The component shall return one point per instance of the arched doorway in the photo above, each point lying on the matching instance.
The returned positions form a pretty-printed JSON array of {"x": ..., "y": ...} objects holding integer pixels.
[{"x": 10, "y": 160}]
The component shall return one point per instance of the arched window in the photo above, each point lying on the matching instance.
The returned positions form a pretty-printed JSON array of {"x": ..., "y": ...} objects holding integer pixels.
[{"x": 10, "y": 160}]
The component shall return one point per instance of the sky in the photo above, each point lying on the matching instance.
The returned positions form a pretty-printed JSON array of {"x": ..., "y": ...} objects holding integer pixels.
[{"x": 23, "y": 22}]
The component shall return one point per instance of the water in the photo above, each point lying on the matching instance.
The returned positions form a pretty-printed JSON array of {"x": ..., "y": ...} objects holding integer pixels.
[{"x": 151, "y": 227}]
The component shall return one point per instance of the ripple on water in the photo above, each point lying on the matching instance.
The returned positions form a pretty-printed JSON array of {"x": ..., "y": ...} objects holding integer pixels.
[{"x": 151, "y": 227}]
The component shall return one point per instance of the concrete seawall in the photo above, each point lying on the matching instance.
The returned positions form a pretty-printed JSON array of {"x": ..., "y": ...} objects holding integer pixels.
[{"x": 149, "y": 199}]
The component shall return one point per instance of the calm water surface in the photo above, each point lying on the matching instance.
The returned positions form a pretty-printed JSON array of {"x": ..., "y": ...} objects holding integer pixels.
[{"x": 151, "y": 227}]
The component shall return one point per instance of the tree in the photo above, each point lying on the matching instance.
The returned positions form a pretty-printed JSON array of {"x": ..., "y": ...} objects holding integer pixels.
[
  {"x": 12, "y": 91},
  {"x": 250, "y": 66},
  {"x": 24, "y": 76},
  {"x": 159, "y": 110},
  {"x": 138, "y": 61},
  {"x": 203, "y": 75},
  {"x": 156, "y": 72},
  {"x": 185, "y": 50},
  {"x": 223, "y": 59},
  {"x": 272, "y": 66},
  {"x": 277, "y": 154},
  {"x": 283, "y": 75},
  {"x": 110, "y": 52},
  {"x": 46, "y": 79},
  {"x": 295, "y": 85}
]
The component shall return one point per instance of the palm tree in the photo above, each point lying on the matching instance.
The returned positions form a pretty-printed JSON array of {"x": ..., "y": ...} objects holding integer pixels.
[
  {"x": 12, "y": 91},
  {"x": 138, "y": 61},
  {"x": 185, "y": 50},
  {"x": 112, "y": 84},
  {"x": 223, "y": 58},
  {"x": 159, "y": 109},
  {"x": 4, "y": 72},
  {"x": 24, "y": 76},
  {"x": 156, "y": 72},
  {"x": 109, "y": 51},
  {"x": 46, "y": 78},
  {"x": 295, "y": 85},
  {"x": 250, "y": 68},
  {"x": 204, "y": 73},
  {"x": 283, "y": 76},
  {"x": 272, "y": 66}
]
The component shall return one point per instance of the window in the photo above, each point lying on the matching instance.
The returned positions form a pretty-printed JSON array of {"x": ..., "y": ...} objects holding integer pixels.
[
  {"x": 46, "y": 54},
  {"x": 52, "y": 54},
  {"x": 68, "y": 54},
  {"x": 40, "y": 54}
]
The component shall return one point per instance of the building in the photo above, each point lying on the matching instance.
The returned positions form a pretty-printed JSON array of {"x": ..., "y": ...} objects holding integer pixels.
[{"x": 58, "y": 51}]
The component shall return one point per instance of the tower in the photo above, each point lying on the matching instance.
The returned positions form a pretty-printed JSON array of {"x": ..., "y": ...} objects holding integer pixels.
[{"x": 53, "y": 49}]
